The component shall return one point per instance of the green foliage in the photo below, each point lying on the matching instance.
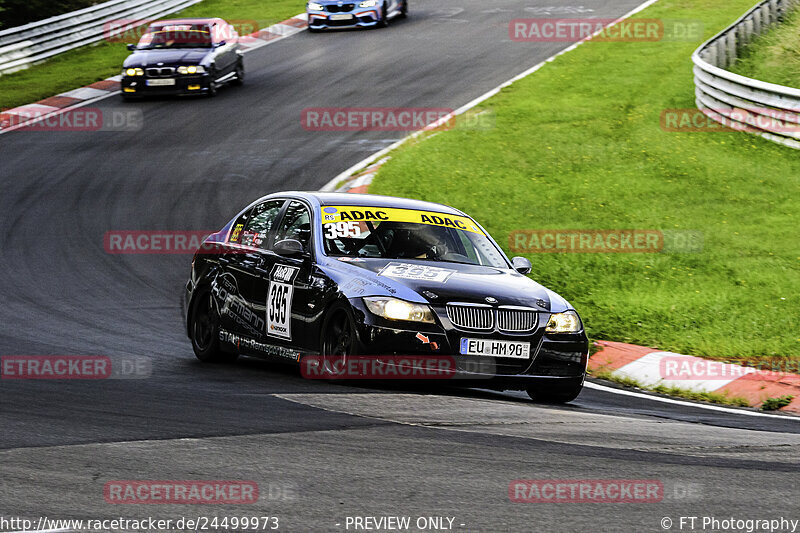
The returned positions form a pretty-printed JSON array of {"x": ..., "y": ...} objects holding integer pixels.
[
  {"x": 775, "y": 55},
  {"x": 773, "y": 404}
]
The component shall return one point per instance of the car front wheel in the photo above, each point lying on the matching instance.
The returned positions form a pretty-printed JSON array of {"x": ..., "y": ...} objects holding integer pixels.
[
  {"x": 339, "y": 341},
  {"x": 239, "y": 80},
  {"x": 384, "y": 22},
  {"x": 213, "y": 87}
]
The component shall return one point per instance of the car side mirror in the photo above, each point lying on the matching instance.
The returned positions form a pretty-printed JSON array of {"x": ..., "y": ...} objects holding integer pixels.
[
  {"x": 521, "y": 265},
  {"x": 131, "y": 47},
  {"x": 289, "y": 248}
]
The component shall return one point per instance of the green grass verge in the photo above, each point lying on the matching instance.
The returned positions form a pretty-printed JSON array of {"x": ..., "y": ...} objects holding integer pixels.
[
  {"x": 773, "y": 404},
  {"x": 97, "y": 62},
  {"x": 579, "y": 145},
  {"x": 775, "y": 55},
  {"x": 708, "y": 397}
]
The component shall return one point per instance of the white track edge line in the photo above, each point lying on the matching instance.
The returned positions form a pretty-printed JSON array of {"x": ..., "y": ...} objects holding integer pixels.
[{"x": 603, "y": 388}]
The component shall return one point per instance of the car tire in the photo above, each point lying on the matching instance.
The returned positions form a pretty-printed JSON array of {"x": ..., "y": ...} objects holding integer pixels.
[
  {"x": 204, "y": 330},
  {"x": 213, "y": 86},
  {"x": 339, "y": 339},
  {"x": 384, "y": 22},
  {"x": 240, "y": 74},
  {"x": 560, "y": 393},
  {"x": 404, "y": 10}
]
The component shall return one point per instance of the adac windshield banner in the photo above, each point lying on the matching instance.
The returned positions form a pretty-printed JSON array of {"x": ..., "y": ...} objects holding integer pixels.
[{"x": 334, "y": 214}]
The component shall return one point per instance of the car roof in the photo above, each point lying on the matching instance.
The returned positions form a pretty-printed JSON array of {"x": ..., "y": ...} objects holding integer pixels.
[{"x": 372, "y": 200}]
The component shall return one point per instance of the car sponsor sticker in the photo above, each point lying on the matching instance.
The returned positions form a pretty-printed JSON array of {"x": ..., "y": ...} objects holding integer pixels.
[
  {"x": 249, "y": 343},
  {"x": 336, "y": 214},
  {"x": 161, "y": 83},
  {"x": 418, "y": 272},
  {"x": 279, "y": 301},
  {"x": 236, "y": 233},
  {"x": 495, "y": 348}
]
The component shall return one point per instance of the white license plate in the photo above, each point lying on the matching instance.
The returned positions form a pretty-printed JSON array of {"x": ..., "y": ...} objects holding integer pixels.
[
  {"x": 161, "y": 83},
  {"x": 495, "y": 348},
  {"x": 342, "y": 17}
]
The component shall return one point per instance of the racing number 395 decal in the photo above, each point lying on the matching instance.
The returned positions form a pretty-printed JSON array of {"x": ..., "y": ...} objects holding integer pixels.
[{"x": 279, "y": 301}]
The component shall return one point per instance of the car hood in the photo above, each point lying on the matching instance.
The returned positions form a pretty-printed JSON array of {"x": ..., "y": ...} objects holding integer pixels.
[
  {"x": 455, "y": 283},
  {"x": 146, "y": 58}
]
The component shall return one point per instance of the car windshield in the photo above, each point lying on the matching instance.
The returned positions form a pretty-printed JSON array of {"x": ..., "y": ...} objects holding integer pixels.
[
  {"x": 387, "y": 233},
  {"x": 171, "y": 37}
]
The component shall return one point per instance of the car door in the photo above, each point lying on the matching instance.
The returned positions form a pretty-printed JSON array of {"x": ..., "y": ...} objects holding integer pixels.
[
  {"x": 290, "y": 303},
  {"x": 225, "y": 44},
  {"x": 251, "y": 237}
]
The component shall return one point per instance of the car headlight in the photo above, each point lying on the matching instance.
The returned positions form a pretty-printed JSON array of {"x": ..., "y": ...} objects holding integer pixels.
[
  {"x": 368, "y": 3},
  {"x": 191, "y": 69},
  {"x": 134, "y": 72},
  {"x": 567, "y": 322},
  {"x": 314, "y": 6},
  {"x": 394, "y": 309}
]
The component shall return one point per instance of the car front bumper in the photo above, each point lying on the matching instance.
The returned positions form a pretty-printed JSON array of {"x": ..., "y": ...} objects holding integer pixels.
[
  {"x": 362, "y": 17},
  {"x": 553, "y": 358},
  {"x": 139, "y": 86}
]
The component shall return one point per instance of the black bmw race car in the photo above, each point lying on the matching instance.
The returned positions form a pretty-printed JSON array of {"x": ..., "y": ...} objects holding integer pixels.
[
  {"x": 337, "y": 276},
  {"x": 185, "y": 56}
]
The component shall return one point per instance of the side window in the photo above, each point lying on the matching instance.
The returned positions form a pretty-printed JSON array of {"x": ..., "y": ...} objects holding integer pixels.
[
  {"x": 257, "y": 223},
  {"x": 296, "y": 224},
  {"x": 469, "y": 248}
]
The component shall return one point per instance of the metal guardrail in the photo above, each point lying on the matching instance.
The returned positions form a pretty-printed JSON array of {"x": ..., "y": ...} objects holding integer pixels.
[
  {"x": 766, "y": 109},
  {"x": 24, "y": 45}
]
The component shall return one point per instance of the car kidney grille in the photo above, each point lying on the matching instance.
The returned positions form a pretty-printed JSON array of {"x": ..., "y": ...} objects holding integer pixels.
[
  {"x": 160, "y": 72},
  {"x": 344, "y": 8},
  {"x": 480, "y": 317},
  {"x": 471, "y": 316},
  {"x": 516, "y": 320}
]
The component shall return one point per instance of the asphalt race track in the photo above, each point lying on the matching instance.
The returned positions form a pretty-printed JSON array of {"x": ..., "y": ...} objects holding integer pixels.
[{"x": 320, "y": 452}]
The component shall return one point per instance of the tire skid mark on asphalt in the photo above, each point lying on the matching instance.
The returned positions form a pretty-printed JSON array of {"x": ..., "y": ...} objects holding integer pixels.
[{"x": 561, "y": 425}]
